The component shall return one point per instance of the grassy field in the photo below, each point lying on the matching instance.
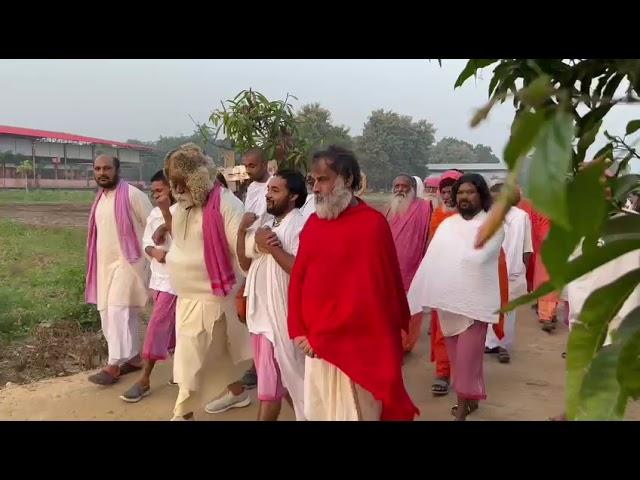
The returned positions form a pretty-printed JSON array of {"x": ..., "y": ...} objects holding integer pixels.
[
  {"x": 79, "y": 197},
  {"x": 42, "y": 273}
]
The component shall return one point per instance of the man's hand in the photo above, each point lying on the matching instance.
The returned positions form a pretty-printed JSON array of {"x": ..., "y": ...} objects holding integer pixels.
[
  {"x": 266, "y": 239},
  {"x": 163, "y": 202},
  {"x": 247, "y": 220},
  {"x": 159, "y": 235},
  {"x": 159, "y": 255},
  {"x": 303, "y": 344}
]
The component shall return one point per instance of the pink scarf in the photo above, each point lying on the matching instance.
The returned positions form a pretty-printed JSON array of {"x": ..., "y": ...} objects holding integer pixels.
[
  {"x": 216, "y": 250},
  {"x": 409, "y": 231},
  {"x": 129, "y": 242}
]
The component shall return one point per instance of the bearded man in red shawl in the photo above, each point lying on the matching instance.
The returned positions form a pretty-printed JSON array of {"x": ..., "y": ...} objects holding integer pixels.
[
  {"x": 347, "y": 305},
  {"x": 409, "y": 218}
]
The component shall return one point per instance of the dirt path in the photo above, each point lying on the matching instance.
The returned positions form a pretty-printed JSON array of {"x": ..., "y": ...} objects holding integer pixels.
[
  {"x": 531, "y": 387},
  {"x": 47, "y": 215}
]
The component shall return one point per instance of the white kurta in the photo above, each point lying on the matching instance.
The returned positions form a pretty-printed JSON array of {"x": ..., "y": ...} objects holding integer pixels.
[
  {"x": 255, "y": 201},
  {"x": 159, "y": 274},
  {"x": 579, "y": 290},
  {"x": 198, "y": 311},
  {"x": 266, "y": 291},
  {"x": 455, "y": 277},
  {"x": 517, "y": 242},
  {"x": 120, "y": 283}
]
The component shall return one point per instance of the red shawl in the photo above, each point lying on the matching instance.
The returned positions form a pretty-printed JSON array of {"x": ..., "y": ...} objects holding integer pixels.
[{"x": 346, "y": 296}]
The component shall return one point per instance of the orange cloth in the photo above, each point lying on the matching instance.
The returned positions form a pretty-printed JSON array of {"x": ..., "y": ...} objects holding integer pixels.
[{"x": 410, "y": 338}]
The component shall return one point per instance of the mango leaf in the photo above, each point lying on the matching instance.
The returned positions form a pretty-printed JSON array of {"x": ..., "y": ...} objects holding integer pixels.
[
  {"x": 621, "y": 187},
  {"x": 628, "y": 336},
  {"x": 586, "y": 140},
  {"x": 612, "y": 86},
  {"x": 587, "y": 209},
  {"x": 601, "y": 397},
  {"x": 605, "y": 152},
  {"x": 526, "y": 128},
  {"x": 546, "y": 183},
  {"x": 577, "y": 268},
  {"x": 470, "y": 69},
  {"x": 536, "y": 92},
  {"x": 625, "y": 226},
  {"x": 632, "y": 126},
  {"x": 590, "y": 331}
]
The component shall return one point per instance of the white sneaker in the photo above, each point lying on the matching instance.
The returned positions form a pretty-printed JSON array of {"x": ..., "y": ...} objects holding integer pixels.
[{"x": 227, "y": 402}]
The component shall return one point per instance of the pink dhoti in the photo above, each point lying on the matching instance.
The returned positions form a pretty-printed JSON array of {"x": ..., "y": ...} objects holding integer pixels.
[
  {"x": 160, "y": 340},
  {"x": 270, "y": 387},
  {"x": 466, "y": 355}
]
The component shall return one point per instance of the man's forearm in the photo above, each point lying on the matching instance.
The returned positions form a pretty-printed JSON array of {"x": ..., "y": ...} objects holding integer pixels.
[
  {"x": 284, "y": 259},
  {"x": 244, "y": 262},
  {"x": 166, "y": 214}
]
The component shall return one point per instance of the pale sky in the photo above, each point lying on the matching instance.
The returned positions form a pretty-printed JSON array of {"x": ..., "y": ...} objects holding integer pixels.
[{"x": 143, "y": 99}]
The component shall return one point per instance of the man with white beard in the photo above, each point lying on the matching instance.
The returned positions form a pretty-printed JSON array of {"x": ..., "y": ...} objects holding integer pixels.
[
  {"x": 347, "y": 304},
  {"x": 409, "y": 218},
  {"x": 431, "y": 185}
]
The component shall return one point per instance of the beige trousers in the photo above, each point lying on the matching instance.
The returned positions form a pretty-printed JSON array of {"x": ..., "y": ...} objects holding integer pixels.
[{"x": 329, "y": 394}]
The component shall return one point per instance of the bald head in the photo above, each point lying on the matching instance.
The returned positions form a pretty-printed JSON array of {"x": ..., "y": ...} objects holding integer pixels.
[
  {"x": 256, "y": 165},
  {"x": 106, "y": 171}
]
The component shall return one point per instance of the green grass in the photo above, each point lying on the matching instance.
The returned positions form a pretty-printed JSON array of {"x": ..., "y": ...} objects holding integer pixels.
[
  {"x": 83, "y": 197},
  {"x": 42, "y": 273}
]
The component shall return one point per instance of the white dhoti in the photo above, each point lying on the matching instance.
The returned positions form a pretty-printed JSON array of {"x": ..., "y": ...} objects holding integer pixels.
[
  {"x": 201, "y": 330},
  {"x": 120, "y": 326},
  {"x": 509, "y": 333},
  {"x": 329, "y": 394}
]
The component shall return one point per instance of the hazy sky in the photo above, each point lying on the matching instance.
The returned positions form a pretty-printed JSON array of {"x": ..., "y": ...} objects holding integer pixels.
[{"x": 143, "y": 99}]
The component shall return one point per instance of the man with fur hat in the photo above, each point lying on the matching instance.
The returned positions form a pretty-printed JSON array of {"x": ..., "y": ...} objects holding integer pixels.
[{"x": 203, "y": 268}]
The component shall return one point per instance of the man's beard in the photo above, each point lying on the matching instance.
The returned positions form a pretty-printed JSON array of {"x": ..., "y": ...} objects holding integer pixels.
[
  {"x": 199, "y": 185},
  {"x": 400, "y": 203},
  {"x": 468, "y": 211},
  {"x": 331, "y": 205},
  {"x": 109, "y": 185}
]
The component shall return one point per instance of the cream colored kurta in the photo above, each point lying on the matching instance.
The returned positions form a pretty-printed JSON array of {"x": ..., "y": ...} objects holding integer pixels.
[
  {"x": 120, "y": 283},
  {"x": 198, "y": 310}
]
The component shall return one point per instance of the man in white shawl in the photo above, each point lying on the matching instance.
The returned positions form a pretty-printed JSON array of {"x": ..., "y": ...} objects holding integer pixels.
[
  {"x": 267, "y": 250},
  {"x": 462, "y": 284}
]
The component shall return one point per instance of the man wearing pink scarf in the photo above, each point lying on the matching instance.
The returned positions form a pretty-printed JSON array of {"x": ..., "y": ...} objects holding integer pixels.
[
  {"x": 204, "y": 271},
  {"x": 117, "y": 272},
  {"x": 409, "y": 218}
]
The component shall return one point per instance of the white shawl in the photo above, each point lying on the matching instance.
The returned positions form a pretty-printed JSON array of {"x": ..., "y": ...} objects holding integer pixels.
[{"x": 454, "y": 276}]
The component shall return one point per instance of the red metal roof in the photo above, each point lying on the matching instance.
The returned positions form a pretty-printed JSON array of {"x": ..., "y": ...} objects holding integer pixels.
[{"x": 32, "y": 133}]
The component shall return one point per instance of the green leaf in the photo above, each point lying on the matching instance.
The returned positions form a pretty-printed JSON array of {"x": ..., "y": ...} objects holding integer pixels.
[
  {"x": 621, "y": 187},
  {"x": 537, "y": 91},
  {"x": 526, "y": 128},
  {"x": 605, "y": 152},
  {"x": 470, "y": 69},
  {"x": 625, "y": 226},
  {"x": 628, "y": 336},
  {"x": 586, "y": 140},
  {"x": 632, "y": 126},
  {"x": 546, "y": 183},
  {"x": 601, "y": 397},
  {"x": 589, "y": 333},
  {"x": 612, "y": 86}
]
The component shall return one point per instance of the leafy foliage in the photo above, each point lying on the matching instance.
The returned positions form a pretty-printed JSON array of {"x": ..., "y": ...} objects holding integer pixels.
[{"x": 560, "y": 107}]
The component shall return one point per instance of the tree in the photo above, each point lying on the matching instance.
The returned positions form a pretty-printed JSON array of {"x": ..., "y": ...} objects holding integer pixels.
[
  {"x": 24, "y": 169},
  {"x": 315, "y": 127},
  {"x": 252, "y": 120},
  {"x": 560, "y": 106},
  {"x": 393, "y": 143},
  {"x": 452, "y": 150}
]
